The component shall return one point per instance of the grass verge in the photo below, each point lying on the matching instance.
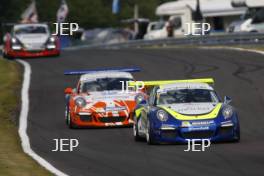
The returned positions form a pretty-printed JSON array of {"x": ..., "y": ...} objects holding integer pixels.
[{"x": 13, "y": 161}]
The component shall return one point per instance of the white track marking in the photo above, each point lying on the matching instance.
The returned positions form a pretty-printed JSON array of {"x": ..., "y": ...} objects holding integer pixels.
[
  {"x": 249, "y": 50},
  {"x": 25, "y": 108},
  {"x": 235, "y": 48},
  {"x": 23, "y": 118}
]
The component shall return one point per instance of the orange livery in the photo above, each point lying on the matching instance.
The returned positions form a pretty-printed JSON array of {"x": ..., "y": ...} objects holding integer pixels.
[{"x": 99, "y": 99}]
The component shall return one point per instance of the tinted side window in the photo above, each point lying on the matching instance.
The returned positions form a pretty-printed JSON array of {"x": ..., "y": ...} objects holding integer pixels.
[
  {"x": 152, "y": 96},
  {"x": 259, "y": 18}
]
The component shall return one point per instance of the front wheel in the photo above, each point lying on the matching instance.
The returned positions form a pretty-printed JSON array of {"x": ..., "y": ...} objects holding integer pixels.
[
  {"x": 6, "y": 56},
  {"x": 149, "y": 137},
  {"x": 237, "y": 136},
  {"x": 135, "y": 131},
  {"x": 66, "y": 115},
  {"x": 69, "y": 122},
  {"x": 3, "y": 54}
]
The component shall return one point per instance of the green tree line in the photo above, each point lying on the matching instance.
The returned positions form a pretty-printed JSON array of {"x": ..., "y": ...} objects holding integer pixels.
[{"x": 87, "y": 13}]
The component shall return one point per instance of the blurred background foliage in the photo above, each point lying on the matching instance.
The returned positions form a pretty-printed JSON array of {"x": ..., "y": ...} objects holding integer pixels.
[{"x": 87, "y": 13}]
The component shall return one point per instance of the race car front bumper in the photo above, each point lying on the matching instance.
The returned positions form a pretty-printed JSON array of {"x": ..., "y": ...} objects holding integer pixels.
[
  {"x": 215, "y": 132},
  {"x": 33, "y": 53},
  {"x": 87, "y": 120}
]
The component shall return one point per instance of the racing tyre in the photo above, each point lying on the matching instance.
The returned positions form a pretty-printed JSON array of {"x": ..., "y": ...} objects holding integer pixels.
[
  {"x": 72, "y": 125},
  {"x": 149, "y": 137},
  {"x": 135, "y": 131},
  {"x": 69, "y": 122},
  {"x": 6, "y": 56},
  {"x": 237, "y": 136},
  {"x": 3, "y": 54},
  {"x": 66, "y": 115}
]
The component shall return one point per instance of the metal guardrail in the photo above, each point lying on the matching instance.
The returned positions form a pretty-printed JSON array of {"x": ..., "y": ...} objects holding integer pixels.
[{"x": 207, "y": 40}]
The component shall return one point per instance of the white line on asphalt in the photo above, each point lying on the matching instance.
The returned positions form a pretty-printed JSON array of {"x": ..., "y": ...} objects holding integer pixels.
[
  {"x": 248, "y": 50},
  {"x": 25, "y": 109},
  {"x": 23, "y": 119},
  {"x": 235, "y": 48}
]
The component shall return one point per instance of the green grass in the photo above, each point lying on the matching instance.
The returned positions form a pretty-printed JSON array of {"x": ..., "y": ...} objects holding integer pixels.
[{"x": 13, "y": 161}]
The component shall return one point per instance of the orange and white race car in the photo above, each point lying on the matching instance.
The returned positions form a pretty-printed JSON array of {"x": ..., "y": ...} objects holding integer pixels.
[
  {"x": 99, "y": 99},
  {"x": 30, "y": 40}
]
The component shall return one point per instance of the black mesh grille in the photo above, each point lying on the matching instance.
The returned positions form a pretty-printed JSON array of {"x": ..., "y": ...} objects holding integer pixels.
[
  {"x": 169, "y": 134},
  {"x": 35, "y": 51},
  {"x": 197, "y": 134},
  {"x": 111, "y": 119},
  {"x": 86, "y": 118},
  {"x": 225, "y": 130}
]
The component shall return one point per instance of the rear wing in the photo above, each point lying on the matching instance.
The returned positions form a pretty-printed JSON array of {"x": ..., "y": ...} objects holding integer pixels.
[
  {"x": 122, "y": 69},
  {"x": 163, "y": 82}
]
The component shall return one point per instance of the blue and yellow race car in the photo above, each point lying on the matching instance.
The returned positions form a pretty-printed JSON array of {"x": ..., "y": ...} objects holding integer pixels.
[{"x": 180, "y": 110}]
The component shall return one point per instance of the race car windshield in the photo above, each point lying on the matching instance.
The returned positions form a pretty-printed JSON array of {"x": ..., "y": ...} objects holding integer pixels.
[
  {"x": 187, "y": 96},
  {"x": 31, "y": 30},
  {"x": 159, "y": 25},
  {"x": 103, "y": 84}
]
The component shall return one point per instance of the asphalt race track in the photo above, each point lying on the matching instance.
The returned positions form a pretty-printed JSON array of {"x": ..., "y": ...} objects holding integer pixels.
[{"x": 113, "y": 152}]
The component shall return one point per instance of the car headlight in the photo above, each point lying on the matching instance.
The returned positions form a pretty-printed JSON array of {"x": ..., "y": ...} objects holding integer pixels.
[
  {"x": 81, "y": 102},
  {"x": 139, "y": 98},
  {"x": 52, "y": 39},
  {"x": 227, "y": 112},
  {"x": 14, "y": 40},
  {"x": 162, "y": 115}
]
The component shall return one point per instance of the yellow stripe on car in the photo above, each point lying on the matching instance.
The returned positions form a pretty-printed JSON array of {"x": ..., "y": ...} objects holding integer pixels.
[
  {"x": 163, "y": 82},
  {"x": 138, "y": 111},
  {"x": 213, "y": 114}
]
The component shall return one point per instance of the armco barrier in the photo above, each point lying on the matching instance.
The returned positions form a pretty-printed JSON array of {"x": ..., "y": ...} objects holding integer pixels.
[{"x": 207, "y": 40}]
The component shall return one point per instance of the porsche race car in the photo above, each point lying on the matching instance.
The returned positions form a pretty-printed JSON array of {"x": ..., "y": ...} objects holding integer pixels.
[
  {"x": 30, "y": 40},
  {"x": 99, "y": 99},
  {"x": 181, "y": 110}
]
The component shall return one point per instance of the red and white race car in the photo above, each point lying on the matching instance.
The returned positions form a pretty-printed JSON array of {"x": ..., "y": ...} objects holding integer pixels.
[
  {"x": 30, "y": 40},
  {"x": 99, "y": 99}
]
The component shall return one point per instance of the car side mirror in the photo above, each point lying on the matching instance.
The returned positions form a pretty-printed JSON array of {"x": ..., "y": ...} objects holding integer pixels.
[
  {"x": 227, "y": 100},
  {"x": 68, "y": 90},
  {"x": 143, "y": 102},
  {"x": 140, "y": 99}
]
